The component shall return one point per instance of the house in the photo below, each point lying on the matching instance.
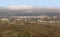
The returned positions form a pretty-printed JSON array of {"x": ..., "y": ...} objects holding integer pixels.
[{"x": 4, "y": 19}]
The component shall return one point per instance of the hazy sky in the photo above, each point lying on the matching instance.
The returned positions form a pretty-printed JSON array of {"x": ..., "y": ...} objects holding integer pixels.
[{"x": 47, "y": 3}]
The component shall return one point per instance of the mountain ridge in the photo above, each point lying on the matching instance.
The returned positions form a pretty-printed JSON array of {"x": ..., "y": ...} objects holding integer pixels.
[{"x": 28, "y": 11}]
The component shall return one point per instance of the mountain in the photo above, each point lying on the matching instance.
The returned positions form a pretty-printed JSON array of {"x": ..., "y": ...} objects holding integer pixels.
[
  {"x": 19, "y": 7},
  {"x": 25, "y": 10}
]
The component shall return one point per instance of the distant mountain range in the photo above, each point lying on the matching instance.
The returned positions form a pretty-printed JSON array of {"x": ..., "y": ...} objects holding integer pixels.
[{"x": 25, "y": 10}]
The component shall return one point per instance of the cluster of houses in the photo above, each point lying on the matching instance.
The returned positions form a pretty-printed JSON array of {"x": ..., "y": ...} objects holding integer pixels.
[{"x": 34, "y": 18}]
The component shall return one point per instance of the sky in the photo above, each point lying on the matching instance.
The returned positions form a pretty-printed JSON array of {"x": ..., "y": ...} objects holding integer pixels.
[{"x": 41, "y": 3}]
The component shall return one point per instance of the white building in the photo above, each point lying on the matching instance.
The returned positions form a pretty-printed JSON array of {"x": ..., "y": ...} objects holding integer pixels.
[{"x": 4, "y": 19}]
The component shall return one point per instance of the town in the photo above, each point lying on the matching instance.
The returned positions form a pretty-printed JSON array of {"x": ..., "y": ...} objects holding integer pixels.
[{"x": 42, "y": 18}]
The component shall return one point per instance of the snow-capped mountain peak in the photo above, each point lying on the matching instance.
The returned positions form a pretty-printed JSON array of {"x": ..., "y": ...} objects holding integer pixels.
[{"x": 20, "y": 7}]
